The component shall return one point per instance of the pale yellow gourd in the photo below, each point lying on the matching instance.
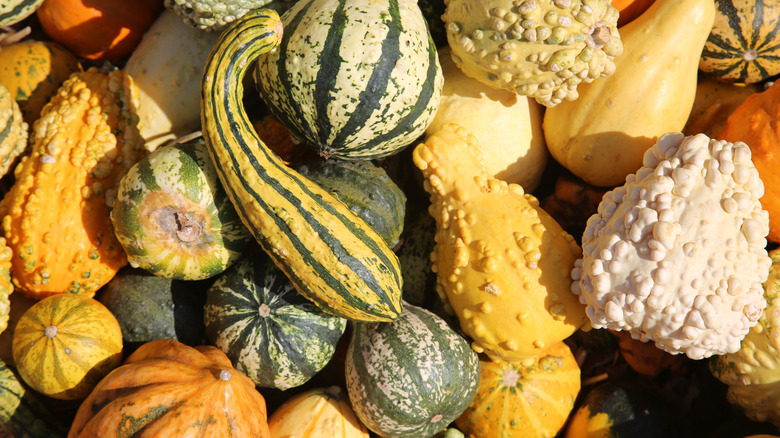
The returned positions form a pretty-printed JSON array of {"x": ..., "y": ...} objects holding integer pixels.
[
  {"x": 602, "y": 136},
  {"x": 502, "y": 262},
  {"x": 508, "y": 126}
]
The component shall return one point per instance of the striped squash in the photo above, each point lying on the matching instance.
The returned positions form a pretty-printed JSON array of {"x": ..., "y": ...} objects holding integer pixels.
[
  {"x": 173, "y": 217},
  {"x": 332, "y": 257},
  {"x": 13, "y": 131},
  {"x": 22, "y": 413},
  {"x": 270, "y": 332},
  {"x": 411, "y": 377},
  {"x": 353, "y": 79},
  {"x": 744, "y": 44},
  {"x": 64, "y": 344},
  {"x": 14, "y": 11}
]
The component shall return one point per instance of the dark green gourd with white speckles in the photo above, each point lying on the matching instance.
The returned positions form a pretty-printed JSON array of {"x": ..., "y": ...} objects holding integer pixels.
[
  {"x": 354, "y": 79},
  {"x": 268, "y": 330},
  {"x": 331, "y": 256}
]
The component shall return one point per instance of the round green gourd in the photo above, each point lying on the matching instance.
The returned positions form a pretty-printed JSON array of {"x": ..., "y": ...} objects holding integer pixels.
[
  {"x": 171, "y": 309},
  {"x": 270, "y": 332},
  {"x": 173, "y": 217},
  {"x": 353, "y": 79},
  {"x": 411, "y": 377},
  {"x": 366, "y": 189}
]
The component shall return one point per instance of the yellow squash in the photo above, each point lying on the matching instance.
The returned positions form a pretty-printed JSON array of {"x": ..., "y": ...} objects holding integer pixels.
[{"x": 602, "y": 136}]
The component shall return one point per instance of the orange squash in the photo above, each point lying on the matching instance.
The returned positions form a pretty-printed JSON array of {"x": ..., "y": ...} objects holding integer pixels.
[
  {"x": 516, "y": 401},
  {"x": 64, "y": 344},
  {"x": 757, "y": 122},
  {"x": 56, "y": 216},
  {"x": 630, "y": 9},
  {"x": 317, "y": 413},
  {"x": 168, "y": 389},
  {"x": 101, "y": 30}
]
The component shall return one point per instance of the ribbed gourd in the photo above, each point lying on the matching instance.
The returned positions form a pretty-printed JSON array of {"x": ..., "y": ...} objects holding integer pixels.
[
  {"x": 353, "y": 79},
  {"x": 331, "y": 255},
  {"x": 540, "y": 49},
  {"x": 501, "y": 260},
  {"x": 13, "y": 131},
  {"x": 317, "y": 413},
  {"x": 56, "y": 215},
  {"x": 174, "y": 219}
]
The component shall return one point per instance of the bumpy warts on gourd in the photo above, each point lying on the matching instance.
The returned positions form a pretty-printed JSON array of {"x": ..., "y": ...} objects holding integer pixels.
[
  {"x": 212, "y": 15},
  {"x": 502, "y": 262},
  {"x": 677, "y": 254},
  {"x": 56, "y": 215},
  {"x": 753, "y": 373},
  {"x": 538, "y": 48}
]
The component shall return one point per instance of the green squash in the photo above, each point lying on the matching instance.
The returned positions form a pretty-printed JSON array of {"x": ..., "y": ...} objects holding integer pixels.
[
  {"x": 411, "y": 377},
  {"x": 173, "y": 217},
  {"x": 366, "y": 189},
  {"x": 22, "y": 411},
  {"x": 270, "y": 332},
  {"x": 353, "y": 79},
  {"x": 414, "y": 254},
  {"x": 170, "y": 309}
]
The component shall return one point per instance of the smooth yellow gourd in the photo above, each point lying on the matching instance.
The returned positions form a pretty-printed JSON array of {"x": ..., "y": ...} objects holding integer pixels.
[
  {"x": 602, "y": 136},
  {"x": 501, "y": 260}
]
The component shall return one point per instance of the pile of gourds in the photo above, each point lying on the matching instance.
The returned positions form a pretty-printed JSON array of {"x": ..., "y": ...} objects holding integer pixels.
[{"x": 449, "y": 218}]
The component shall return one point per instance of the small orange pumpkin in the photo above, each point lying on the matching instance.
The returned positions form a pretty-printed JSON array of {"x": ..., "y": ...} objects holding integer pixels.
[
  {"x": 101, "y": 30},
  {"x": 757, "y": 123},
  {"x": 168, "y": 389},
  {"x": 317, "y": 413}
]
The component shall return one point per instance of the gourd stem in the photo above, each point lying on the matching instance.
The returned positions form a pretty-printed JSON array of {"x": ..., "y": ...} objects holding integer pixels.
[
  {"x": 50, "y": 331},
  {"x": 601, "y": 35}
]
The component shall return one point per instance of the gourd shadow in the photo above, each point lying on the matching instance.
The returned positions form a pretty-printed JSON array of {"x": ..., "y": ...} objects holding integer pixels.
[
  {"x": 95, "y": 374},
  {"x": 45, "y": 423}
]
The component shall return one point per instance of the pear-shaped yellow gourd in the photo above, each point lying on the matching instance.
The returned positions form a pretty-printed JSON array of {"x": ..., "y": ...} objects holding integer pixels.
[
  {"x": 501, "y": 260},
  {"x": 602, "y": 136}
]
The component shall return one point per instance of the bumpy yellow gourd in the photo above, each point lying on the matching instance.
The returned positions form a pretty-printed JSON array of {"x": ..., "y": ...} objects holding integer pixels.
[
  {"x": 501, "y": 260},
  {"x": 56, "y": 215}
]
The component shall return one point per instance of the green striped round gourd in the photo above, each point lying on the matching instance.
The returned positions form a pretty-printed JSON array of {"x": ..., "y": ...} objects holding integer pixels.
[
  {"x": 411, "y": 377},
  {"x": 173, "y": 217},
  {"x": 22, "y": 412},
  {"x": 14, "y": 11},
  {"x": 270, "y": 332},
  {"x": 353, "y": 79},
  {"x": 331, "y": 255},
  {"x": 367, "y": 191},
  {"x": 743, "y": 44},
  {"x": 13, "y": 131}
]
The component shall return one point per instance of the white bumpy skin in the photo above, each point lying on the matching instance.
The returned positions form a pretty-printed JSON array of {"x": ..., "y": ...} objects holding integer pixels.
[{"x": 677, "y": 254}]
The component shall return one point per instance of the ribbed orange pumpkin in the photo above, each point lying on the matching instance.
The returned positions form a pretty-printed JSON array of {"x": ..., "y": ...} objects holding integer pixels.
[
  {"x": 102, "y": 30},
  {"x": 514, "y": 401},
  {"x": 757, "y": 122},
  {"x": 317, "y": 413},
  {"x": 56, "y": 215},
  {"x": 168, "y": 389}
]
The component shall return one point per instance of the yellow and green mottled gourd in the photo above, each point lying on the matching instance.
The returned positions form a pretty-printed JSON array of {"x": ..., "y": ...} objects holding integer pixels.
[
  {"x": 6, "y": 287},
  {"x": 331, "y": 255},
  {"x": 56, "y": 215},
  {"x": 501, "y": 260},
  {"x": 13, "y": 131}
]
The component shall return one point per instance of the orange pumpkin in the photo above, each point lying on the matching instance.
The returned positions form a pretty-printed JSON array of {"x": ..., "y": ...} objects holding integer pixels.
[
  {"x": 757, "y": 123},
  {"x": 101, "y": 30},
  {"x": 317, "y": 413},
  {"x": 630, "y": 9},
  {"x": 515, "y": 401},
  {"x": 168, "y": 389}
]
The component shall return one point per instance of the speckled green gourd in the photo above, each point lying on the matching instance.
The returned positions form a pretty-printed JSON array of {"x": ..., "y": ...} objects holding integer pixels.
[
  {"x": 502, "y": 261},
  {"x": 270, "y": 332},
  {"x": 14, "y": 11},
  {"x": 538, "y": 48},
  {"x": 13, "y": 131},
  {"x": 212, "y": 15}
]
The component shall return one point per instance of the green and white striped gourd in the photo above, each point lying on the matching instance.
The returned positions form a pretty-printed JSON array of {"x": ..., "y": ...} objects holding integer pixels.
[
  {"x": 22, "y": 412},
  {"x": 173, "y": 217},
  {"x": 353, "y": 79},
  {"x": 270, "y": 332},
  {"x": 411, "y": 377},
  {"x": 13, "y": 131},
  {"x": 331, "y": 255},
  {"x": 14, "y": 11}
]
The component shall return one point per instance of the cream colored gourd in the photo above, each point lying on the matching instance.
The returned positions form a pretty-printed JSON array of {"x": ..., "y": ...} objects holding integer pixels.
[
  {"x": 501, "y": 260},
  {"x": 508, "y": 126},
  {"x": 167, "y": 67},
  {"x": 602, "y": 136}
]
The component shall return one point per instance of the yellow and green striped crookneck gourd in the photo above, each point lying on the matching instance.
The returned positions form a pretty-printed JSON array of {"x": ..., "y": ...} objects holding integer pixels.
[
  {"x": 332, "y": 256},
  {"x": 13, "y": 130},
  {"x": 56, "y": 215}
]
